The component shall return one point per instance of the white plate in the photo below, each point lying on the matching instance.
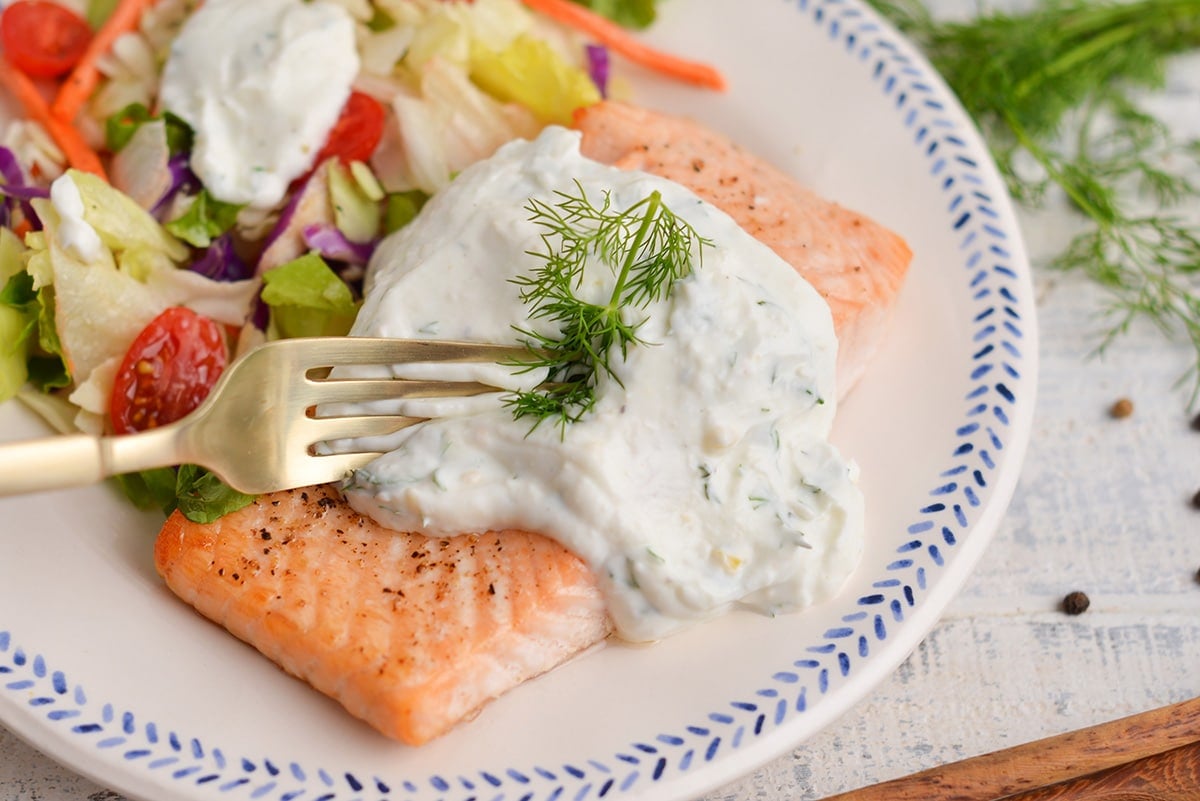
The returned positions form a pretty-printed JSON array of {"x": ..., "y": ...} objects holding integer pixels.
[{"x": 103, "y": 669}]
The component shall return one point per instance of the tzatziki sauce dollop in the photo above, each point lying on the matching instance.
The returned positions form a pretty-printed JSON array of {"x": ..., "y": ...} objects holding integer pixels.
[
  {"x": 75, "y": 234},
  {"x": 702, "y": 479},
  {"x": 261, "y": 83}
]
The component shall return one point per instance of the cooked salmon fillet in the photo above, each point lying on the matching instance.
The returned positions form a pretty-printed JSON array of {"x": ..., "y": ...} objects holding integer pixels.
[
  {"x": 857, "y": 265},
  {"x": 410, "y": 633},
  {"x": 414, "y": 634}
]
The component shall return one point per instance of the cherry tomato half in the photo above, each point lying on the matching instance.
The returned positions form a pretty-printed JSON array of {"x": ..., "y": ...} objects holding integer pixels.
[
  {"x": 169, "y": 370},
  {"x": 357, "y": 132},
  {"x": 43, "y": 39}
]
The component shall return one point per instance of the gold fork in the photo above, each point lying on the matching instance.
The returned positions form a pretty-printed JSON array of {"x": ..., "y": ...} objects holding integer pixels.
[{"x": 258, "y": 429}]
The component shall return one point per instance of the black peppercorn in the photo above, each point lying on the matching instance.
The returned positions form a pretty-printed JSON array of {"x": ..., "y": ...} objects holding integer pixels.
[
  {"x": 1121, "y": 409},
  {"x": 1196, "y": 499},
  {"x": 1196, "y": 423},
  {"x": 1076, "y": 603}
]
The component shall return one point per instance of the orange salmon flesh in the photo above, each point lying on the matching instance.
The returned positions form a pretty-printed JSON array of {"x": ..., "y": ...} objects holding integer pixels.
[
  {"x": 414, "y": 634},
  {"x": 410, "y": 633}
]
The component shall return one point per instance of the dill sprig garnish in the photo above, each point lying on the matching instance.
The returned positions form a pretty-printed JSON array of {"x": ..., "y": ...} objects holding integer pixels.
[
  {"x": 647, "y": 248},
  {"x": 1031, "y": 78}
]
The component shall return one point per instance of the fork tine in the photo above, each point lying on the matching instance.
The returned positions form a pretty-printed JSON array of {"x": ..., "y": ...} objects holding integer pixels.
[
  {"x": 362, "y": 390},
  {"x": 333, "y": 467},
  {"x": 318, "y": 352},
  {"x": 323, "y": 429}
]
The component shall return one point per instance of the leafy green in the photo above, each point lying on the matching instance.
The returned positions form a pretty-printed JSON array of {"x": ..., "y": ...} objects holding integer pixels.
[
  {"x": 635, "y": 14},
  {"x": 14, "y": 351},
  {"x": 12, "y": 255},
  {"x": 202, "y": 497},
  {"x": 150, "y": 489},
  {"x": 17, "y": 318},
  {"x": 53, "y": 371},
  {"x": 648, "y": 249},
  {"x": 308, "y": 299},
  {"x": 197, "y": 493},
  {"x": 401, "y": 208},
  {"x": 98, "y": 11},
  {"x": 48, "y": 372},
  {"x": 138, "y": 243},
  {"x": 19, "y": 295},
  {"x": 120, "y": 128},
  {"x": 205, "y": 219},
  {"x": 27, "y": 317},
  {"x": 380, "y": 21},
  {"x": 1073, "y": 66}
]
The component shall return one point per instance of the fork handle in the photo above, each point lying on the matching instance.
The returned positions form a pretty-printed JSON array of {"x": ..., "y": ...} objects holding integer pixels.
[{"x": 73, "y": 460}]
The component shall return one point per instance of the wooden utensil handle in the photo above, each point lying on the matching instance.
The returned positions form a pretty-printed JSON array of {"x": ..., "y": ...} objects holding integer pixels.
[
  {"x": 1052, "y": 761},
  {"x": 1170, "y": 776}
]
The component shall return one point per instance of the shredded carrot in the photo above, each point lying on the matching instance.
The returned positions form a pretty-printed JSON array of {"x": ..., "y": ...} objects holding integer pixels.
[
  {"x": 78, "y": 86},
  {"x": 619, "y": 40},
  {"x": 77, "y": 151}
]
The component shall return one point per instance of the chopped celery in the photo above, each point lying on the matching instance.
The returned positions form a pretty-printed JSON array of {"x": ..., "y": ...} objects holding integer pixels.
[{"x": 355, "y": 213}]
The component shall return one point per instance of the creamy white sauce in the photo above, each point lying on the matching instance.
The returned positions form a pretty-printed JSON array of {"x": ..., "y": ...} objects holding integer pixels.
[
  {"x": 75, "y": 234},
  {"x": 705, "y": 481},
  {"x": 261, "y": 83}
]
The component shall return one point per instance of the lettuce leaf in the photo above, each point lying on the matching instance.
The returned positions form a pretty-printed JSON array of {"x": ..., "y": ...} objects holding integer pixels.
[
  {"x": 636, "y": 14},
  {"x": 452, "y": 124},
  {"x": 120, "y": 128},
  {"x": 205, "y": 220},
  {"x": 14, "y": 351},
  {"x": 16, "y": 317},
  {"x": 197, "y": 493},
  {"x": 202, "y": 497},
  {"x": 308, "y": 299},
  {"x": 531, "y": 73},
  {"x": 139, "y": 243},
  {"x": 26, "y": 318},
  {"x": 150, "y": 489}
]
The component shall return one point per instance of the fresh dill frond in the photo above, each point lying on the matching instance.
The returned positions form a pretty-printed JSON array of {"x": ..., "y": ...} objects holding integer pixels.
[
  {"x": 1053, "y": 88},
  {"x": 647, "y": 248}
]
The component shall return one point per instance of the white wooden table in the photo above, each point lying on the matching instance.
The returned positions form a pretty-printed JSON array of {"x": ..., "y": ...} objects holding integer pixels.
[{"x": 1103, "y": 506}]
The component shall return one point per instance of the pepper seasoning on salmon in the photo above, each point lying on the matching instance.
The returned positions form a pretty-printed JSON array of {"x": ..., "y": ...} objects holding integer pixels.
[
  {"x": 414, "y": 634},
  {"x": 856, "y": 264},
  {"x": 411, "y": 633}
]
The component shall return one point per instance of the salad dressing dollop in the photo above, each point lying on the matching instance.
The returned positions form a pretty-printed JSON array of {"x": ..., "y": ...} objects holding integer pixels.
[
  {"x": 75, "y": 234},
  {"x": 702, "y": 479},
  {"x": 261, "y": 83}
]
